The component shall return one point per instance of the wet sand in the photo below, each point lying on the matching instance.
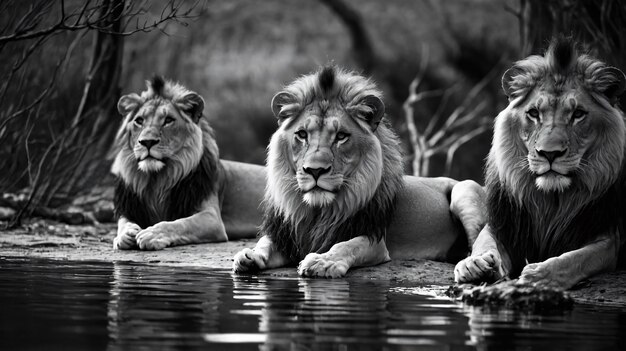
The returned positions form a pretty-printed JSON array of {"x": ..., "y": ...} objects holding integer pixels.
[{"x": 47, "y": 239}]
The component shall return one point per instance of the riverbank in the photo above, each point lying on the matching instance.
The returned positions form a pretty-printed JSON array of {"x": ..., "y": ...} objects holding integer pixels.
[{"x": 53, "y": 240}]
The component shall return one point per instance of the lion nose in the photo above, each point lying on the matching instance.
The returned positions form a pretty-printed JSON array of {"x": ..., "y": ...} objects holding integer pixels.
[
  {"x": 148, "y": 143},
  {"x": 551, "y": 155},
  {"x": 316, "y": 172}
]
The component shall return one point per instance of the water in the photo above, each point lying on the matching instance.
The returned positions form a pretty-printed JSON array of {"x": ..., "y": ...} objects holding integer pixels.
[{"x": 56, "y": 305}]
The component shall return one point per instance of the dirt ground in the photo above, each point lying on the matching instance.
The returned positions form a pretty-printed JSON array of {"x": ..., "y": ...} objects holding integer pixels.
[{"x": 48, "y": 239}]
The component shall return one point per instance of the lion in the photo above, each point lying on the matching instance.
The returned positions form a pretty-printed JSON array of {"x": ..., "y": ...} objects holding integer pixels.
[
  {"x": 336, "y": 195},
  {"x": 170, "y": 181},
  {"x": 552, "y": 175}
]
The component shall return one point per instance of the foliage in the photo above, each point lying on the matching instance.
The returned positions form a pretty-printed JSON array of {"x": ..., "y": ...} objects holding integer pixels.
[
  {"x": 237, "y": 54},
  {"x": 54, "y": 132},
  {"x": 443, "y": 135}
]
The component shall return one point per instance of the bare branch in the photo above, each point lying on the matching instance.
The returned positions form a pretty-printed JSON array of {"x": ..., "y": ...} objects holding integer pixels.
[
  {"x": 434, "y": 120},
  {"x": 471, "y": 96},
  {"x": 415, "y": 137},
  {"x": 49, "y": 88},
  {"x": 459, "y": 127},
  {"x": 460, "y": 122},
  {"x": 89, "y": 18},
  {"x": 460, "y": 142}
]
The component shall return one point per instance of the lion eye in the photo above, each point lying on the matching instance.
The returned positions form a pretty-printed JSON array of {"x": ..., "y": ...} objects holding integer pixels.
[
  {"x": 342, "y": 136},
  {"x": 301, "y": 134},
  {"x": 139, "y": 120},
  {"x": 168, "y": 120},
  {"x": 533, "y": 114},
  {"x": 578, "y": 114}
]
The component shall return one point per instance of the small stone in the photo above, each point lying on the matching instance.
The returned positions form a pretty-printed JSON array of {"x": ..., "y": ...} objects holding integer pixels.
[
  {"x": 72, "y": 217},
  {"x": 103, "y": 211},
  {"x": 6, "y": 213}
]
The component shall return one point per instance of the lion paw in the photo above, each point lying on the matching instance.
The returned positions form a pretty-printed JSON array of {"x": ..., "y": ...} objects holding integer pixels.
[
  {"x": 316, "y": 265},
  {"x": 486, "y": 266},
  {"x": 125, "y": 238},
  {"x": 156, "y": 237},
  {"x": 546, "y": 274},
  {"x": 249, "y": 260}
]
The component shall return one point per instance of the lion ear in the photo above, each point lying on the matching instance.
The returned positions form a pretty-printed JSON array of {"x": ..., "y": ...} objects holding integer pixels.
[
  {"x": 508, "y": 79},
  {"x": 616, "y": 84},
  {"x": 192, "y": 104},
  {"x": 283, "y": 105},
  {"x": 374, "y": 111},
  {"x": 128, "y": 103}
]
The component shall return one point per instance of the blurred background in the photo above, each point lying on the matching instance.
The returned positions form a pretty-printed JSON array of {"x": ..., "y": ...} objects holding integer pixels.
[{"x": 64, "y": 65}]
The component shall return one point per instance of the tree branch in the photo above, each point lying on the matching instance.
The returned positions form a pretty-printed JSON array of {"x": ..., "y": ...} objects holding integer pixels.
[
  {"x": 88, "y": 18},
  {"x": 460, "y": 142}
]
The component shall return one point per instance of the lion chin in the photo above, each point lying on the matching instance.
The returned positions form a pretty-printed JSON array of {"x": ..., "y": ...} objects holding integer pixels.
[
  {"x": 552, "y": 181},
  {"x": 318, "y": 198},
  {"x": 150, "y": 164}
]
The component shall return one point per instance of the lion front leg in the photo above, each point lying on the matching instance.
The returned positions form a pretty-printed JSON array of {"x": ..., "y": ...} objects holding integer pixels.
[
  {"x": 468, "y": 203},
  {"x": 566, "y": 270},
  {"x": 263, "y": 256},
  {"x": 486, "y": 262},
  {"x": 359, "y": 251},
  {"x": 202, "y": 227},
  {"x": 126, "y": 232}
]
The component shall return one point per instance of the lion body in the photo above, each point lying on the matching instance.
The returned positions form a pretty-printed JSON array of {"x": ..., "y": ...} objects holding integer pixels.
[
  {"x": 169, "y": 174},
  {"x": 552, "y": 173},
  {"x": 335, "y": 178},
  {"x": 301, "y": 229},
  {"x": 147, "y": 199},
  {"x": 536, "y": 233},
  {"x": 357, "y": 196}
]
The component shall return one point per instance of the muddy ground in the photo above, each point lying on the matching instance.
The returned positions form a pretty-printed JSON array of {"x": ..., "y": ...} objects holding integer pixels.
[{"x": 49, "y": 239}]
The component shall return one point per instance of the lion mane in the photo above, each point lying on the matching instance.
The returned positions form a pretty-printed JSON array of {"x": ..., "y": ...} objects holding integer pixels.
[
  {"x": 363, "y": 205},
  {"x": 533, "y": 224},
  {"x": 189, "y": 176}
]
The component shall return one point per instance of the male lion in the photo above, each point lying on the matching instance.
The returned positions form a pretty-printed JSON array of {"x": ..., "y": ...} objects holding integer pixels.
[
  {"x": 552, "y": 173},
  {"x": 170, "y": 179},
  {"x": 335, "y": 175}
]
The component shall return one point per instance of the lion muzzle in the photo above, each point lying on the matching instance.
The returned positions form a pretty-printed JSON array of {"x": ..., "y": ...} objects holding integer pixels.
[
  {"x": 551, "y": 155},
  {"x": 551, "y": 163},
  {"x": 316, "y": 172},
  {"x": 148, "y": 143}
]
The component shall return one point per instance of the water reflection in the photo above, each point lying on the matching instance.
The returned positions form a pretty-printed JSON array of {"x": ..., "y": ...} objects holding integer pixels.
[
  {"x": 318, "y": 313},
  {"x": 302, "y": 312},
  {"x": 158, "y": 308},
  {"x": 584, "y": 328},
  {"x": 122, "y": 306}
]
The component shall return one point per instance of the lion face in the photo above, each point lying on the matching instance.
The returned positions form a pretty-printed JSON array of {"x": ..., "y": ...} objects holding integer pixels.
[
  {"x": 163, "y": 137},
  {"x": 561, "y": 126},
  {"x": 162, "y": 126},
  {"x": 325, "y": 147},
  {"x": 158, "y": 132},
  {"x": 558, "y": 129}
]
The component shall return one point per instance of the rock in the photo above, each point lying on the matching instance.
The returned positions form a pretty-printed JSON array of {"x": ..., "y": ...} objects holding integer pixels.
[
  {"x": 6, "y": 213},
  {"x": 509, "y": 294},
  {"x": 103, "y": 211},
  {"x": 72, "y": 217},
  {"x": 94, "y": 197}
]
